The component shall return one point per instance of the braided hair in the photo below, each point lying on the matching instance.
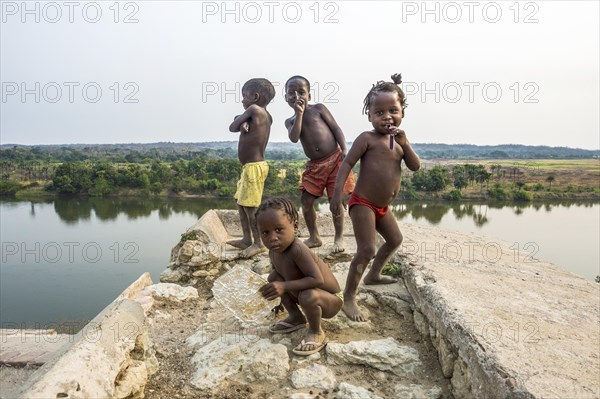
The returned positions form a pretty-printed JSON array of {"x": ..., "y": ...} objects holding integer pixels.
[
  {"x": 282, "y": 203},
  {"x": 389, "y": 87}
]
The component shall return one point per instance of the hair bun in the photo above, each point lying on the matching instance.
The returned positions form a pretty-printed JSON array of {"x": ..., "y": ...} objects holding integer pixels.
[{"x": 397, "y": 78}]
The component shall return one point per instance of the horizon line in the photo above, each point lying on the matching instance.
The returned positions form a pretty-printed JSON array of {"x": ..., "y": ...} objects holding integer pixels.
[{"x": 281, "y": 142}]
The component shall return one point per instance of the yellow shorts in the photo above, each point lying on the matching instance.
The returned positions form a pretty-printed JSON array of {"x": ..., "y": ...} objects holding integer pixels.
[
  {"x": 251, "y": 184},
  {"x": 341, "y": 296}
]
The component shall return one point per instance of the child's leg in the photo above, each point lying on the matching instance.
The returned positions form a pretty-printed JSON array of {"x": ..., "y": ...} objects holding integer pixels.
[
  {"x": 317, "y": 303},
  {"x": 257, "y": 246},
  {"x": 246, "y": 240},
  {"x": 295, "y": 316},
  {"x": 338, "y": 225},
  {"x": 387, "y": 226},
  {"x": 363, "y": 222},
  {"x": 310, "y": 217}
]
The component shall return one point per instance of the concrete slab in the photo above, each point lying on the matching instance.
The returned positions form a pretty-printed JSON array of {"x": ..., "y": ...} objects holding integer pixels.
[
  {"x": 21, "y": 347},
  {"x": 523, "y": 327}
]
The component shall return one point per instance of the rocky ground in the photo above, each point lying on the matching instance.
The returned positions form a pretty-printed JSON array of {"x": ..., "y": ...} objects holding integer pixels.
[
  {"x": 504, "y": 324},
  {"x": 173, "y": 323}
]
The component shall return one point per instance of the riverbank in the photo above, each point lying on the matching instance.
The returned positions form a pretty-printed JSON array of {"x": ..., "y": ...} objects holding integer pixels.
[
  {"x": 449, "y": 179},
  {"x": 471, "y": 195}
]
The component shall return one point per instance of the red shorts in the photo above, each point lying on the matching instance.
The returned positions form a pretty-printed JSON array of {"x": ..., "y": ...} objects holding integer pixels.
[
  {"x": 356, "y": 200},
  {"x": 320, "y": 175}
]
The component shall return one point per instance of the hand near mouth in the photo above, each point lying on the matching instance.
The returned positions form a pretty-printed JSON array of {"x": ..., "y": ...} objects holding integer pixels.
[
  {"x": 394, "y": 132},
  {"x": 298, "y": 103}
]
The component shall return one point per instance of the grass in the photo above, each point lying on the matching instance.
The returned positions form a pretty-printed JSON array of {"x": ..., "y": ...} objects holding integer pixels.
[{"x": 392, "y": 269}]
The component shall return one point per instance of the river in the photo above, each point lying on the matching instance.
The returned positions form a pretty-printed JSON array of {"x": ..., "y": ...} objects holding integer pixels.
[{"x": 64, "y": 260}]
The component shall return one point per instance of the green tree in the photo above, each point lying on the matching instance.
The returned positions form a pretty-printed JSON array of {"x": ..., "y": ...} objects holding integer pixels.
[
  {"x": 550, "y": 179},
  {"x": 459, "y": 177},
  {"x": 434, "y": 179}
]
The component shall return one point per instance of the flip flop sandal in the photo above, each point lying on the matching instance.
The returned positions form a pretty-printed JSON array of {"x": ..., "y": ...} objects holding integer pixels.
[
  {"x": 288, "y": 327},
  {"x": 319, "y": 346}
]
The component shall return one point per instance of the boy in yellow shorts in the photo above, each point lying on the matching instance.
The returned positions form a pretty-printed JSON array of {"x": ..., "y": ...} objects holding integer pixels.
[{"x": 255, "y": 126}]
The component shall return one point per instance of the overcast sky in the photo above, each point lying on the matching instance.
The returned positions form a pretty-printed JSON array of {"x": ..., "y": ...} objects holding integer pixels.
[{"x": 476, "y": 72}]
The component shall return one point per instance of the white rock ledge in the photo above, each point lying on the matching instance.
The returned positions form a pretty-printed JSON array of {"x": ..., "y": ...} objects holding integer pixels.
[
  {"x": 111, "y": 357},
  {"x": 504, "y": 325}
]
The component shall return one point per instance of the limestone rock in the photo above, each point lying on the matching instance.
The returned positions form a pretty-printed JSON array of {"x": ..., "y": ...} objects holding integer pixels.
[
  {"x": 300, "y": 395},
  {"x": 349, "y": 391},
  {"x": 196, "y": 253},
  {"x": 172, "y": 292},
  {"x": 421, "y": 323},
  {"x": 445, "y": 355},
  {"x": 132, "y": 382},
  {"x": 383, "y": 354},
  {"x": 414, "y": 391},
  {"x": 172, "y": 275},
  {"x": 263, "y": 266},
  {"x": 313, "y": 376},
  {"x": 461, "y": 380},
  {"x": 247, "y": 359},
  {"x": 340, "y": 322},
  {"x": 237, "y": 291},
  {"x": 98, "y": 364}
]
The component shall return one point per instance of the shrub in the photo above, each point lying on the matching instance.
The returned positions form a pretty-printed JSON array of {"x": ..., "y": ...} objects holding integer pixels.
[
  {"x": 9, "y": 187},
  {"x": 453, "y": 195},
  {"x": 497, "y": 192},
  {"x": 189, "y": 236},
  {"x": 521, "y": 195}
]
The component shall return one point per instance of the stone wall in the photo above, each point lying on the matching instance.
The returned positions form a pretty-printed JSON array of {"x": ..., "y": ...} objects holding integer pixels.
[
  {"x": 504, "y": 324},
  {"x": 111, "y": 357}
]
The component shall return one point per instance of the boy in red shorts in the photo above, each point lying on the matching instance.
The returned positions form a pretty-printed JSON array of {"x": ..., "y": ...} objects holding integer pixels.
[{"x": 325, "y": 145}]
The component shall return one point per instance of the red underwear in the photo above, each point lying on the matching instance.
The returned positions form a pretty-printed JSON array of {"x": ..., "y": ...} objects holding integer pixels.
[{"x": 356, "y": 200}]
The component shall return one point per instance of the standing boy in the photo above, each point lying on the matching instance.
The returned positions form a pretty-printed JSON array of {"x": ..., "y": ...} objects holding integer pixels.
[
  {"x": 255, "y": 126},
  {"x": 325, "y": 145}
]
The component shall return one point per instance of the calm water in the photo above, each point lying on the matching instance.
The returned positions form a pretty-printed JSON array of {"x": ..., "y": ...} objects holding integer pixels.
[{"x": 65, "y": 260}]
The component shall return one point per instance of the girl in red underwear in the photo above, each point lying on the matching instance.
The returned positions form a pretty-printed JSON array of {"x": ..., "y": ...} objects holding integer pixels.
[{"x": 381, "y": 152}]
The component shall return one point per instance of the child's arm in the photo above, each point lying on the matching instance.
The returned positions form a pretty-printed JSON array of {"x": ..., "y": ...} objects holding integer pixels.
[
  {"x": 294, "y": 124},
  {"x": 334, "y": 127},
  {"x": 313, "y": 278},
  {"x": 411, "y": 159},
  {"x": 251, "y": 111},
  {"x": 359, "y": 147}
]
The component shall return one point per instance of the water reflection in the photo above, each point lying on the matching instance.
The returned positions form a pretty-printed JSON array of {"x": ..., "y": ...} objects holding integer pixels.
[
  {"x": 72, "y": 210},
  {"x": 433, "y": 212}
]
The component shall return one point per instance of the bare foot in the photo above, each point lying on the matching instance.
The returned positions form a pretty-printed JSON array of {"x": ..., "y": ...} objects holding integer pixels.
[
  {"x": 350, "y": 308},
  {"x": 252, "y": 250},
  {"x": 313, "y": 242},
  {"x": 379, "y": 280},
  {"x": 241, "y": 244},
  {"x": 338, "y": 246}
]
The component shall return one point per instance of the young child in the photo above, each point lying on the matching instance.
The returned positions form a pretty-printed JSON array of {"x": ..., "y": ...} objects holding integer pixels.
[
  {"x": 299, "y": 277},
  {"x": 381, "y": 152},
  {"x": 255, "y": 126},
  {"x": 325, "y": 145}
]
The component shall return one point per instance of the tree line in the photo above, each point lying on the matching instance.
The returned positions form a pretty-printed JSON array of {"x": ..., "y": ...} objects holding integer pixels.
[
  {"x": 218, "y": 178},
  {"x": 277, "y": 151},
  {"x": 199, "y": 176}
]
